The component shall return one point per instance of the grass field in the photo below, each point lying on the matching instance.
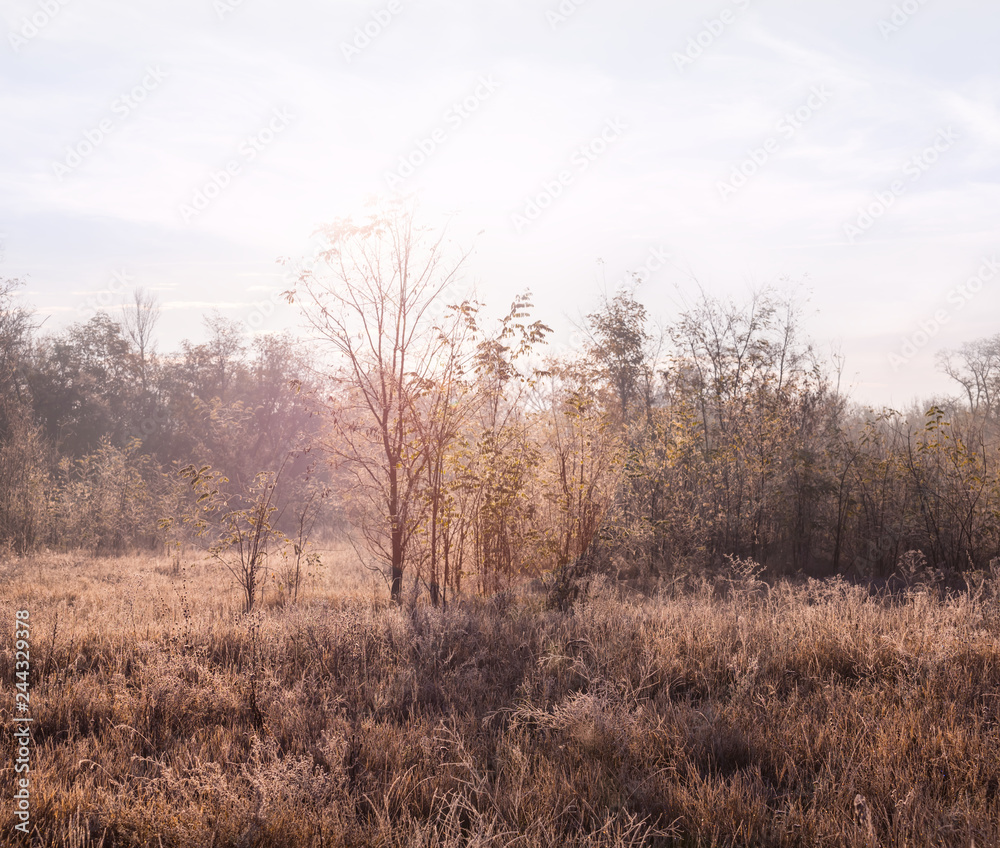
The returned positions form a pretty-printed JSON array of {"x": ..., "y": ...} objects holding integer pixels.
[{"x": 720, "y": 712}]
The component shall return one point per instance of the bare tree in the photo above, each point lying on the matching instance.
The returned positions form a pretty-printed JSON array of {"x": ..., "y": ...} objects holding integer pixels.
[
  {"x": 976, "y": 368},
  {"x": 139, "y": 319},
  {"x": 371, "y": 305}
]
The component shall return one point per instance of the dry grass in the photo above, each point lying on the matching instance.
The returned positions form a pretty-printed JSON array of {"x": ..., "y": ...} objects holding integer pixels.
[{"x": 800, "y": 715}]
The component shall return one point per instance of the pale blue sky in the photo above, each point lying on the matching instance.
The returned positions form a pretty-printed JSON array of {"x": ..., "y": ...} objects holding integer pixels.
[{"x": 311, "y": 130}]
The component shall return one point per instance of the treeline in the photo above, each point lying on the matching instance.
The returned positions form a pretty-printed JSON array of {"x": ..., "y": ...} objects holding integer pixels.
[
  {"x": 720, "y": 435},
  {"x": 460, "y": 456},
  {"x": 95, "y": 423},
  {"x": 749, "y": 449},
  {"x": 737, "y": 442}
]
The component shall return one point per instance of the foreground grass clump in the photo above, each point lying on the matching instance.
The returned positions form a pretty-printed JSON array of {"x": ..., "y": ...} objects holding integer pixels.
[{"x": 808, "y": 714}]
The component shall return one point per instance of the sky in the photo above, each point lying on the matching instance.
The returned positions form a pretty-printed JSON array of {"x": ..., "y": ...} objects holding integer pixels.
[{"x": 847, "y": 152}]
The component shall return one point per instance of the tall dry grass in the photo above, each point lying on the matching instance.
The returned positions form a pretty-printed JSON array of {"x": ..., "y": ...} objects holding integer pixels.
[{"x": 722, "y": 712}]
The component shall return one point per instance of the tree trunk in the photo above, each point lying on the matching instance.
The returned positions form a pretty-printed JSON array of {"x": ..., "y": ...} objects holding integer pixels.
[{"x": 396, "y": 591}]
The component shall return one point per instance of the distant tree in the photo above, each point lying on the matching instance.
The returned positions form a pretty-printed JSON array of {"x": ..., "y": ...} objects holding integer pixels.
[
  {"x": 755, "y": 389},
  {"x": 237, "y": 404},
  {"x": 86, "y": 386},
  {"x": 16, "y": 330},
  {"x": 213, "y": 368},
  {"x": 975, "y": 366},
  {"x": 620, "y": 339},
  {"x": 23, "y": 450},
  {"x": 139, "y": 319}
]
